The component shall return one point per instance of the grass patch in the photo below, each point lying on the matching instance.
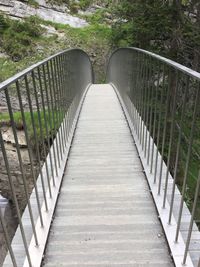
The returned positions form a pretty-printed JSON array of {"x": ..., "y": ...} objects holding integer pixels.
[
  {"x": 89, "y": 35},
  {"x": 45, "y": 117}
]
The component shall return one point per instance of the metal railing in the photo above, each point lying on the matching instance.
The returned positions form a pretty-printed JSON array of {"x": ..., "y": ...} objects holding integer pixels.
[
  {"x": 43, "y": 101},
  {"x": 162, "y": 100}
]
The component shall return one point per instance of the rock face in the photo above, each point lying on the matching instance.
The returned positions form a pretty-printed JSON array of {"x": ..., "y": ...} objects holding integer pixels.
[
  {"x": 15, "y": 171},
  {"x": 3, "y": 103},
  {"x": 57, "y": 14}
]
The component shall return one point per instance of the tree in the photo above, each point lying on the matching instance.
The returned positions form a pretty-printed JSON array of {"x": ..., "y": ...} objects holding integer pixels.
[{"x": 170, "y": 28}]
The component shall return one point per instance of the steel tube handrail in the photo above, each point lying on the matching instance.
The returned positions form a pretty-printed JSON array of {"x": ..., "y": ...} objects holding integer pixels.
[
  {"x": 54, "y": 89},
  {"x": 178, "y": 66},
  {"x": 151, "y": 88},
  {"x": 22, "y": 73}
]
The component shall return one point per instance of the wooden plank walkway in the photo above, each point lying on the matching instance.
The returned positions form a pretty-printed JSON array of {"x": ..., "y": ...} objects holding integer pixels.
[{"x": 105, "y": 214}]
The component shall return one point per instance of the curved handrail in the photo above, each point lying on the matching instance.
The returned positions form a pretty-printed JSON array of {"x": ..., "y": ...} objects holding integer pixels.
[
  {"x": 22, "y": 73},
  {"x": 167, "y": 61},
  {"x": 53, "y": 90},
  {"x": 158, "y": 94}
]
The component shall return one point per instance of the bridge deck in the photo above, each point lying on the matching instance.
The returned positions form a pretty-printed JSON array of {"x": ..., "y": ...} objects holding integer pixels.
[{"x": 105, "y": 214}]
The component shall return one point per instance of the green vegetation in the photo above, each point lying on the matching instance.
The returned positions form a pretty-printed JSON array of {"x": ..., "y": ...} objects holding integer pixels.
[
  {"x": 85, "y": 3},
  {"x": 3, "y": 24},
  {"x": 171, "y": 29},
  {"x": 98, "y": 17},
  {"x": 74, "y": 5},
  {"x": 44, "y": 116},
  {"x": 26, "y": 43},
  {"x": 90, "y": 36},
  {"x": 193, "y": 165},
  {"x": 18, "y": 38},
  {"x": 33, "y": 3},
  {"x": 58, "y": 2}
]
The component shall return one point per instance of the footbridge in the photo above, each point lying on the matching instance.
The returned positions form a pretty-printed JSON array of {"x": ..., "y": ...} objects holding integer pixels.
[{"x": 114, "y": 167}]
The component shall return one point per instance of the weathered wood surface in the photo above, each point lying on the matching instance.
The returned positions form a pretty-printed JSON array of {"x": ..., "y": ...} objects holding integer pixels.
[{"x": 105, "y": 214}]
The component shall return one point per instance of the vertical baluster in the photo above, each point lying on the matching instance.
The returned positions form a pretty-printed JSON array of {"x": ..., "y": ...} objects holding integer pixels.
[
  {"x": 132, "y": 74},
  {"x": 134, "y": 89},
  {"x": 67, "y": 91},
  {"x": 56, "y": 102},
  {"x": 150, "y": 108},
  {"x": 36, "y": 140},
  {"x": 137, "y": 93},
  {"x": 187, "y": 162},
  {"x": 76, "y": 93},
  {"x": 154, "y": 120},
  {"x": 134, "y": 94},
  {"x": 71, "y": 95},
  {"x": 65, "y": 83},
  {"x": 21, "y": 164},
  {"x": 51, "y": 101},
  {"x": 58, "y": 93},
  {"x": 145, "y": 99},
  {"x": 7, "y": 239},
  {"x": 59, "y": 66},
  {"x": 141, "y": 101},
  {"x": 196, "y": 196},
  {"x": 50, "y": 121},
  {"x": 29, "y": 152},
  {"x": 146, "y": 104},
  {"x": 178, "y": 147},
  {"x": 12, "y": 188},
  {"x": 129, "y": 64},
  {"x": 159, "y": 125},
  {"x": 46, "y": 121},
  {"x": 171, "y": 136},
  {"x": 141, "y": 96},
  {"x": 41, "y": 128},
  {"x": 165, "y": 129}
]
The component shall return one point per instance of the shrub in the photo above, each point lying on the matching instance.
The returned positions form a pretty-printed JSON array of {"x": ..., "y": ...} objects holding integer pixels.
[
  {"x": 74, "y": 8},
  {"x": 30, "y": 26},
  {"x": 3, "y": 24},
  {"x": 33, "y": 3},
  {"x": 18, "y": 39},
  {"x": 85, "y": 3},
  {"x": 17, "y": 45}
]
